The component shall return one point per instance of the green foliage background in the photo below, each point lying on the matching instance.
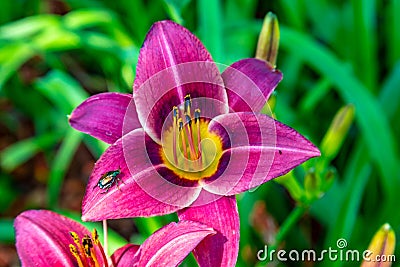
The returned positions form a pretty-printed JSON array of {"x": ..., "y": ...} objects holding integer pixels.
[{"x": 54, "y": 54}]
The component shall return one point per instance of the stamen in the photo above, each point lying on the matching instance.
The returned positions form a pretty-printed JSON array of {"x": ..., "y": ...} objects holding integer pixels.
[
  {"x": 175, "y": 114},
  {"x": 197, "y": 122},
  {"x": 186, "y": 131},
  {"x": 188, "y": 119},
  {"x": 190, "y": 136},
  {"x": 87, "y": 245},
  {"x": 96, "y": 241},
  {"x": 180, "y": 123},
  {"x": 77, "y": 242},
  {"x": 85, "y": 250},
  {"x": 188, "y": 104},
  {"x": 75, "y": 253},
  {"x": 196, "y": 115},
  {"x": 89, "y": 250},
  {"x": 75, "y": 237},
  {"x": 94, "y": 258}
]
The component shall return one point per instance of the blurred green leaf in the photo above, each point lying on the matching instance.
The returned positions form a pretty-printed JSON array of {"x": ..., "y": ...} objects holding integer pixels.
[
  {"x": 61, "y": 163},
  {"x": 8, "y": 192},
  {"x": 20, "y": 52},
  {"x": 292, "y": 185},
  {"x": 392, "y": 40},
  {"x": 85, "y": 18},
  {"x": 315, "y": 95},
  {"x": 294, "y": 12},
  {"x": 364, "y": 49},
  {"x": 347, "y": 207},
  {"x": 243, "y": 9},
  {"x": 390, "y": 93},
  {"x": 27, "y": 27},
  {"x": 174, "y": 9},
  {"x": 55, "y": 39},
  {"x": 62, "y": 90},
  {"x": 7, "y": 231},
  {"x": 17, "y": 153},
  {"x": 368, "y": 113},
  {"x": 210, "y": 27}
]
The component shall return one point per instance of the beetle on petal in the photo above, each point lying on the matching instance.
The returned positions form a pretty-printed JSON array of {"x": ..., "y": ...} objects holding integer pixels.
[{"x": 108, "y": 179}]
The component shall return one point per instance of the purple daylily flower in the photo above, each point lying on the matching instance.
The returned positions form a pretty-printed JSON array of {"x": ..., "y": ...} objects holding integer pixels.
[
  {"x": 188, "y": 140},
  {"x": 45, "y": 238}
]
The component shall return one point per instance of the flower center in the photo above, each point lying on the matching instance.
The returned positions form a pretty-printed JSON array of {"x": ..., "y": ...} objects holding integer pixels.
[
  {"x": 84, "y": 250},
  {"x": 189, "y": 149}
]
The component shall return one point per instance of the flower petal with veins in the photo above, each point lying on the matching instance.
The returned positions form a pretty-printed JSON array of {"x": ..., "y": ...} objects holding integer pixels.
[{"x": 103, "y": 116}]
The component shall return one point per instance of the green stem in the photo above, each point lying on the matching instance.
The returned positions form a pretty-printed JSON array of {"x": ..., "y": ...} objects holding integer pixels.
[{"x": 288, "y": 224}]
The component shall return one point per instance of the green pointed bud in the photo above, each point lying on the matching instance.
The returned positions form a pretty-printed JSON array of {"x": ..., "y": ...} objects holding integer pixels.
[
  {"x": 337, "y": 132},
  {"x": 381, "y": 249},
  {"x": 268, "y": 40}
]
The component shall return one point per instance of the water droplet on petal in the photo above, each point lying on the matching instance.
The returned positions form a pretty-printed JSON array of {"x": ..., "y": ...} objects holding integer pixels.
[{"x": 109, "y": 133}]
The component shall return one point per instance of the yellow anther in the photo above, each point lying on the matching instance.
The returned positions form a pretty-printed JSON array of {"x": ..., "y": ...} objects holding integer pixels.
[
  {"x": 87, "y": 244},
  {"x": 187, "y": 104},
  {"x": 175, "y": 113},
  {"x": 188, "y": 119},
  {"x": 73, "y": 250},
  {"x": 180, "y": 124},
  {"x": 75, "y": 237},
  {"x": 196, "y": 115},
  {"x": 95, "y": 236}
]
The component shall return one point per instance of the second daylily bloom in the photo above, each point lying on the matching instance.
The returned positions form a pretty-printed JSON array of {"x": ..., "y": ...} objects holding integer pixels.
[
  {"x": 45, "y": 238},
  {"x": 188, "y": 140}
]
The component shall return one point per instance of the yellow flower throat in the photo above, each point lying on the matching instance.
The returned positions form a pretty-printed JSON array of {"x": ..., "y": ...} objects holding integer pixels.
[{"x": 189, "y": 149}]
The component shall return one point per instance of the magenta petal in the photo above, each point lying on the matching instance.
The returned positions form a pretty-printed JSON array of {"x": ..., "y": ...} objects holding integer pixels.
[
  {"x": 261, "y": 149},
  {"x": 141, "y": 191},
  {"x": 173, "y": 63},
  {"x": 103, "y": 116},
  {"x": 171, "y": 244},
  {"x": 42, "y": 238},
  {"x": 249, "y": 83},
  {"x": 124, "y": 257},
  {"x": 222, "y": 215}
]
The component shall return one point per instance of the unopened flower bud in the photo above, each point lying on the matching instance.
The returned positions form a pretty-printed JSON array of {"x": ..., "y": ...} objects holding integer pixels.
[
  {"x": 381, "y": 249},
  {"x": 268, "y": 40}
]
